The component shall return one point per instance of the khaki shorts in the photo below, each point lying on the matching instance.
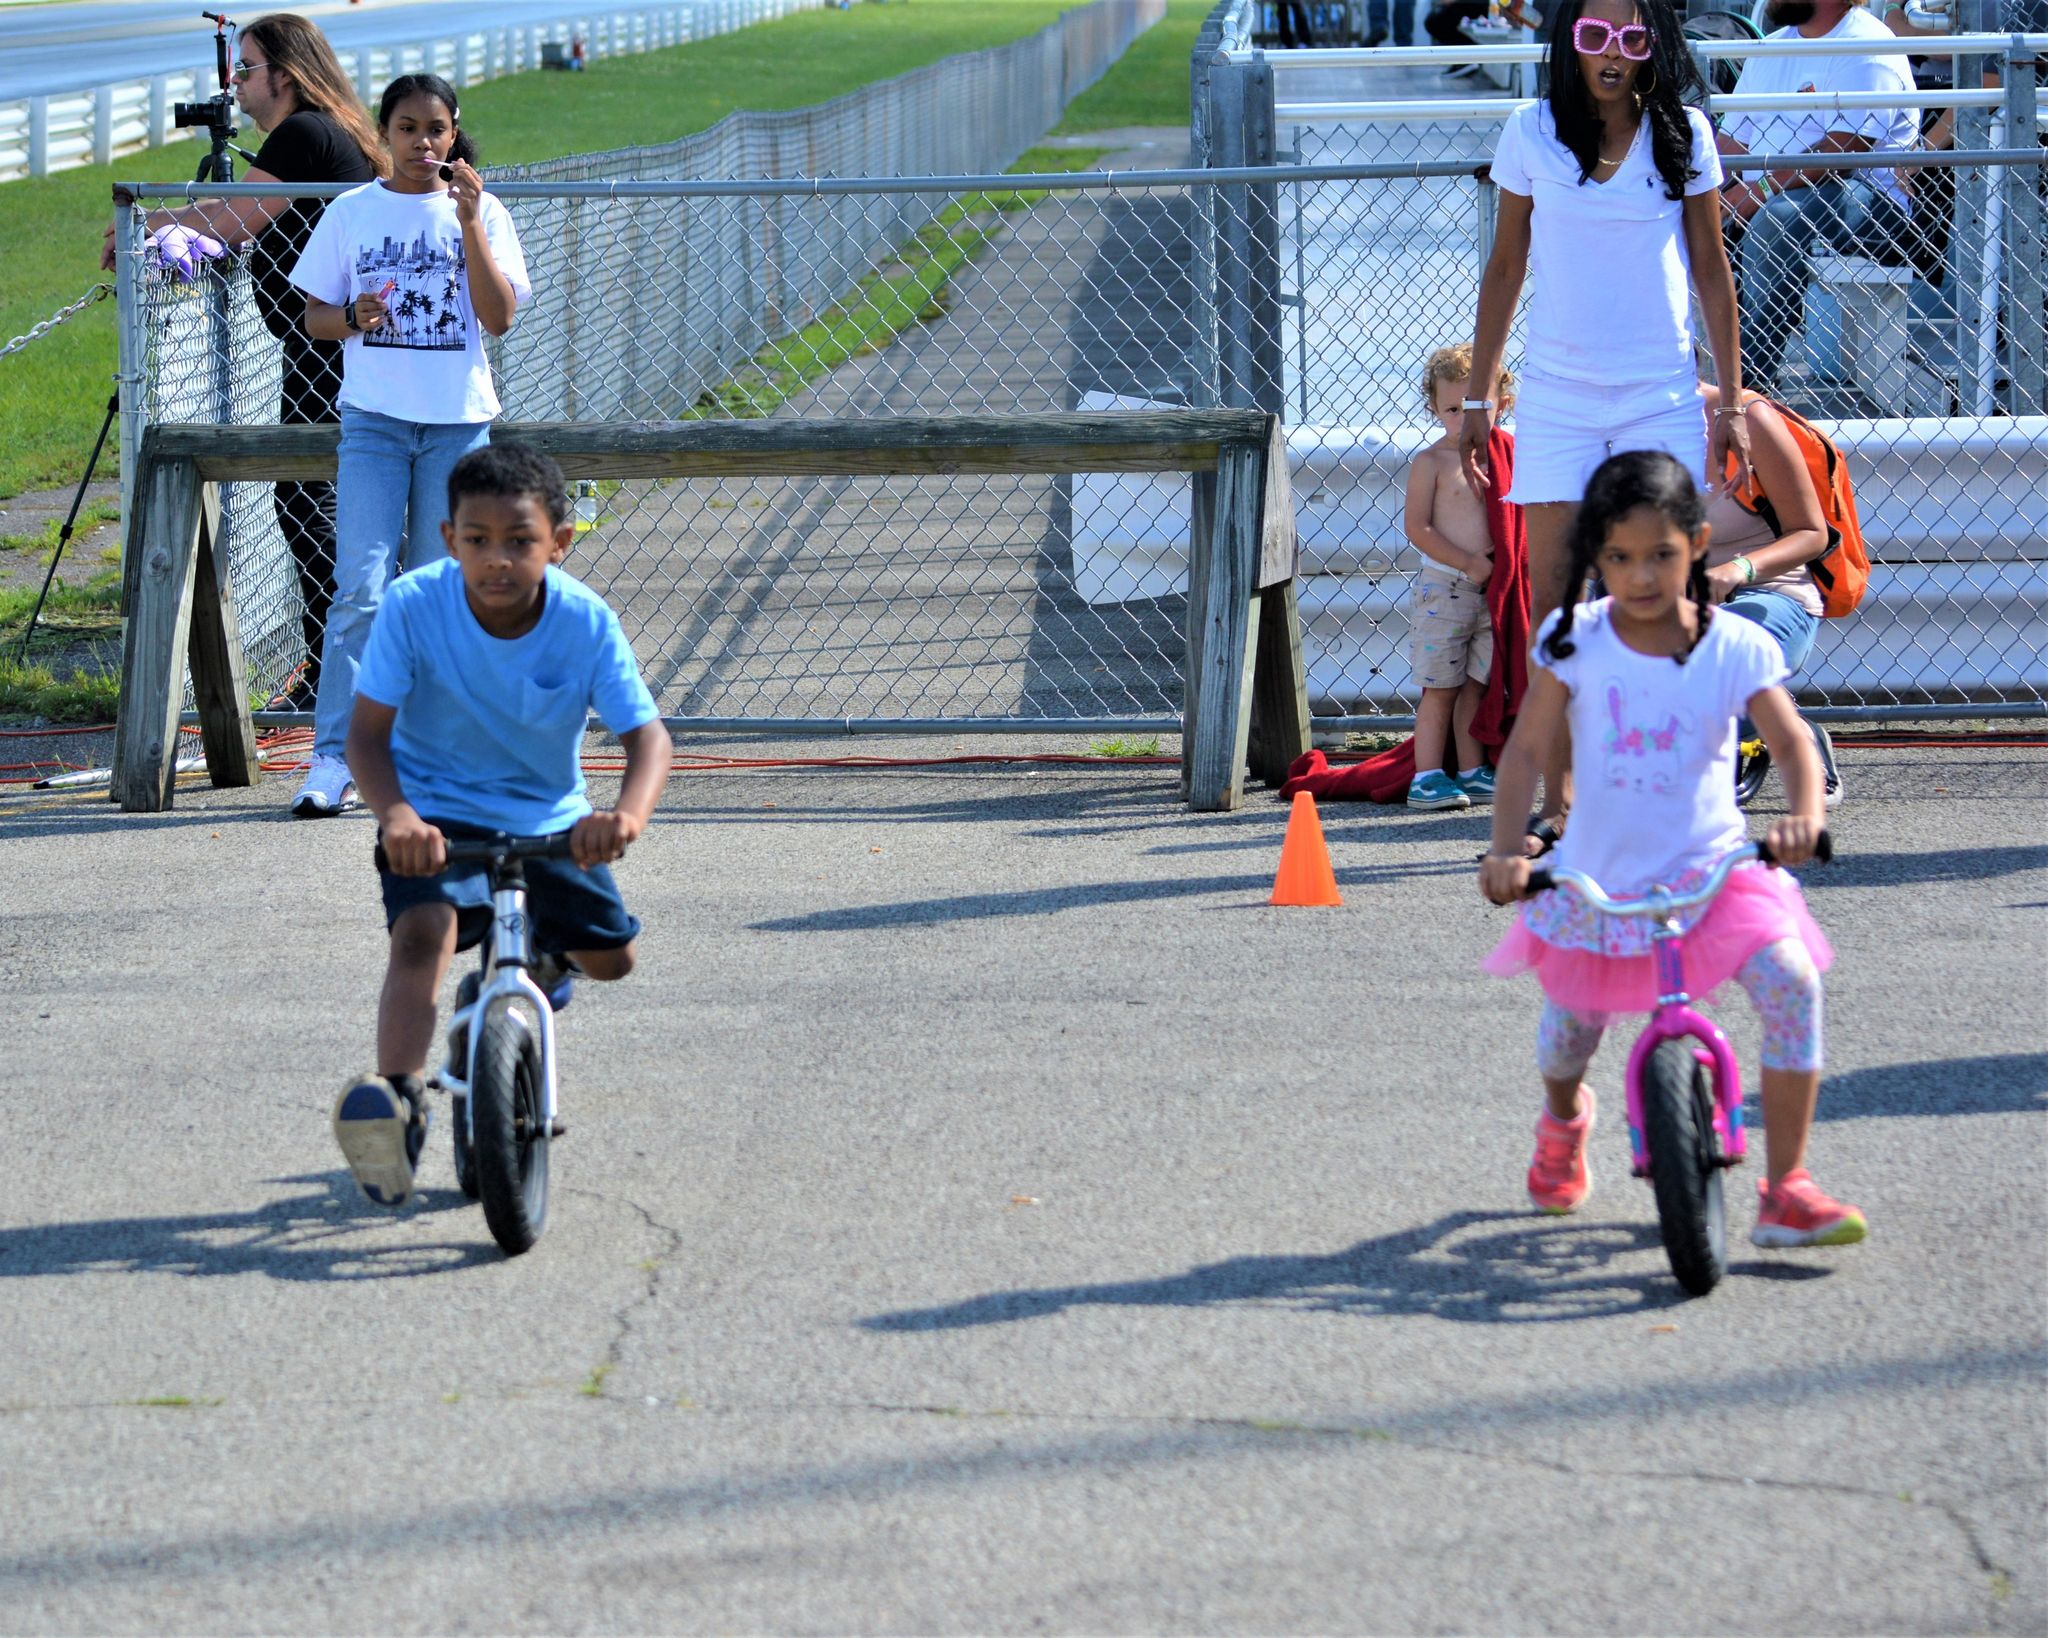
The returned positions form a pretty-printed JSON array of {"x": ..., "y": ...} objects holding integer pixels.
[{"x": 1450, "y": 636}]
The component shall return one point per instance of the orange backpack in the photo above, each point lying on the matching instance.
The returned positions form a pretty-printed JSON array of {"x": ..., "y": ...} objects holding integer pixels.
[{"x": 1843, "y": 568}]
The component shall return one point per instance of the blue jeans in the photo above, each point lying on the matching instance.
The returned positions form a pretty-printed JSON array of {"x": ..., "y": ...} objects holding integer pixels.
[
  {"x": 1851, "y": 216},
  {"x": 1785, "y": 620},
  {"x": 390, "y": 494},
  {"x": 1402, "y": 21}
]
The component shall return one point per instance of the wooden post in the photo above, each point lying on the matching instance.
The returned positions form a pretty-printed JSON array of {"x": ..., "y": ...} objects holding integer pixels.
[
  {"x": 1279, "y": 711},
  {"x": 1201, "y": 544},
  {"x": 1228, "y": 617},
  {"x": 165, "y": 542},
  {"x": 220, "y": 679}
]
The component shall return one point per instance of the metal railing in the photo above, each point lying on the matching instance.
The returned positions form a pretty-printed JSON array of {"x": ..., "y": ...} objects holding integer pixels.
[{"x": 97, "y": 125}]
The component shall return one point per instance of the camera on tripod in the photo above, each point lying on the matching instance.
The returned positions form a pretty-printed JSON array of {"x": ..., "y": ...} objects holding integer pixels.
[{"x": 216, "y": 114}]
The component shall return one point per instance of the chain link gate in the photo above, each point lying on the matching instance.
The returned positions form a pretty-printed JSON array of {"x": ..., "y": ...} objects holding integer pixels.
[{"x": 1059, "y": 602}]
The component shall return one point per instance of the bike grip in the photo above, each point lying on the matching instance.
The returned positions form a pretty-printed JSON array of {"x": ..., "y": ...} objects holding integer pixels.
[{"x": 1540, "y": 881}]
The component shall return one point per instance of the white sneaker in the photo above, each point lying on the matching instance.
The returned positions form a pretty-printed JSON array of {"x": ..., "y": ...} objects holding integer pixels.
[{"x": 328, "y": 790}]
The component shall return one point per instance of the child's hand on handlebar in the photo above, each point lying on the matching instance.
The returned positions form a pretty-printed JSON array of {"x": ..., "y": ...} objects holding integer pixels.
[
  {"x": 601, "y": 837},
  {"x": 1504, "y": 877},
  {"x": 1793, "y": 841},
  {"x": 412, "y": 847}
]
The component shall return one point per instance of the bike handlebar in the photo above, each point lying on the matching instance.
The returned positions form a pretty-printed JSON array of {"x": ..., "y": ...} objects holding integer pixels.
[
  {"x": 495, "y": 849},
  {"x": 1661, "y": 900}
]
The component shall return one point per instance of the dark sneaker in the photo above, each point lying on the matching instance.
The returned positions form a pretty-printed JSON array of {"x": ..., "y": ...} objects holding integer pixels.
[
  {"x": 298, "y": 695},
  {"x": 373, "y": 1126},
  {"x": 556, "y": 976}
]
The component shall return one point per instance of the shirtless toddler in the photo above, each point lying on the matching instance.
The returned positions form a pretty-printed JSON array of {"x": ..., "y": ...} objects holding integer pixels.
[{"x": 1450, "y": 631}]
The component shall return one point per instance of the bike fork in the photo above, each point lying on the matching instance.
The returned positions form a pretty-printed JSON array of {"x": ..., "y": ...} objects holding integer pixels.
[{"x": 1675, "y": 1019}]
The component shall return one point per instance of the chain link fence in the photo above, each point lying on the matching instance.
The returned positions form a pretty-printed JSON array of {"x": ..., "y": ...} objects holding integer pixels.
[{"x": 1048, "y": 602}]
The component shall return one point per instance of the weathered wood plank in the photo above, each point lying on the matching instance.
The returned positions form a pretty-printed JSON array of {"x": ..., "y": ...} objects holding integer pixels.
[
  {"x": 1147, "y": 441},
  {"x": 1201, "y": 546},
  {"x": 1223, "y": 678},
  {"x": 153, "y": 646},
  {"x": 1279, "y": 537},
  {"x": 220, "y": 682},
  {"x": 1279, "y": 713}
]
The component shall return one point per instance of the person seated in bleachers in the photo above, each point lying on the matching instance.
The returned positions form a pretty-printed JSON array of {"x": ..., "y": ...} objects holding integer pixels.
[{"x": 1783, "y": 213}]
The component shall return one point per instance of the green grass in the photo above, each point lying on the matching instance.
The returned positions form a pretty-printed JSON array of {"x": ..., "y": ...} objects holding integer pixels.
[
  {"x": 44, "y": 541},
  {"x": 1119, "y": 746},
  {"x": 34, "y": 692},
  {"x": 50, "y": 685},
  {"x": 885, "y": 304},
  {"x": 1148, "y": 85},
  {"x": 53, "y": 393}
]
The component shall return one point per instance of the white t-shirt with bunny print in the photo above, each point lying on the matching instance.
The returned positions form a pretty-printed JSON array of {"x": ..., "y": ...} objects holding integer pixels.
[{"x": 1653, "y": 746}]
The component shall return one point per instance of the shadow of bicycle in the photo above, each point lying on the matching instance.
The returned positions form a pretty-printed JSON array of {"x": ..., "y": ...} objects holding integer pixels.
[
  {"x": 313, "y": 1235},
  {"x": 1459, "y": 1267}
]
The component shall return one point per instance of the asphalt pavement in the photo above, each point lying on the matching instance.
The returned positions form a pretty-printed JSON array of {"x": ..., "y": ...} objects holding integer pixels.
[{"x": 984, "y": 1213}]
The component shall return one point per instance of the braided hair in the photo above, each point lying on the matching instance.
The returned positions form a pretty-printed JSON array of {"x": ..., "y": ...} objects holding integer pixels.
[
  {"x": 1620, "y": 484},
  {"x": 1673, "y": 81}
]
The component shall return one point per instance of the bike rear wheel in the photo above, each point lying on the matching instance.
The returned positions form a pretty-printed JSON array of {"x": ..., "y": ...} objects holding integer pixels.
[
  {"x": 458, "y": 1054},
  {"x": 511, "y": 1151},
  {"x": 1678, "y": 1121}
]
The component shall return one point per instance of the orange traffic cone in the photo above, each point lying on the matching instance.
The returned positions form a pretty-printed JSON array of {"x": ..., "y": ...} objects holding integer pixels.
[{"x": 1305, "y": 875}]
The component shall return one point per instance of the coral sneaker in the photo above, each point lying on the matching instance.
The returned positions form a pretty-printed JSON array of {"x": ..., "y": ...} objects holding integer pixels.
[
  {"x": 1796, "y": 1213},
  {"x": 1558, "y": 1177}
]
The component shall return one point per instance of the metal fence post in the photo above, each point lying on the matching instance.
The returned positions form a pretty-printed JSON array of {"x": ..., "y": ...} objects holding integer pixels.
[
  {"x": 2026, "y": 322},
  {"x": 1248, "y": 338}
]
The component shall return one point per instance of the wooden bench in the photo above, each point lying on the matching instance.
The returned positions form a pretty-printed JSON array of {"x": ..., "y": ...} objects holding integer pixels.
[{"x": 1245, "y": 690}]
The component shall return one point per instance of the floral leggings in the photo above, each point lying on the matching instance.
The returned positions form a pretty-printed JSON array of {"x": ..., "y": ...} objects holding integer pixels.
[{"x": 1782, "y": 983}]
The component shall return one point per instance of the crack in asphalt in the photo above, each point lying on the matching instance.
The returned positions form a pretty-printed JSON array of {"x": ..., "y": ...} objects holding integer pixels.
[{"x": 671, "y": 1239}]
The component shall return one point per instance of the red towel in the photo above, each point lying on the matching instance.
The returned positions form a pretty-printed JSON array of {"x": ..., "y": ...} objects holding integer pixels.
[{"x": 1385, "y": 778}]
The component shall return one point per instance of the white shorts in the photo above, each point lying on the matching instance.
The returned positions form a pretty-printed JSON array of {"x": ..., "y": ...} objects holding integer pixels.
[{"x": 1564, "y": 429}]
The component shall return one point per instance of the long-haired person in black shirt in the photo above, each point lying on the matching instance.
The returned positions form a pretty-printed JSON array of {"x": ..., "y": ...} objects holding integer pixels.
[{"x": 290, "y": 86}]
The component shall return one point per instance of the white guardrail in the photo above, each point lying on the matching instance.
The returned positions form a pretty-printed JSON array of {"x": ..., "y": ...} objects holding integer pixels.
[{"x": 39, "y": 135}]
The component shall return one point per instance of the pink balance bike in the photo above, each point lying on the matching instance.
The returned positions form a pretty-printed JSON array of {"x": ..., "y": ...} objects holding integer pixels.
[{"x": 1684, "y": 1091}]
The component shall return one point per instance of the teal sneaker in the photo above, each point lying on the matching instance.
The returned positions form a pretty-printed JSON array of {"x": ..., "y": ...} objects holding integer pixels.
[
  {"x": 1433, "y": 792},
  {"x": 1478, "y": 784}
]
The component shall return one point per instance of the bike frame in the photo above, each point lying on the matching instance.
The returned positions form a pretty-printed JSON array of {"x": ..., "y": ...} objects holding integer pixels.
[
  {"x": 507, "y": 981},
  {"x": 1674, "y": 1018}
]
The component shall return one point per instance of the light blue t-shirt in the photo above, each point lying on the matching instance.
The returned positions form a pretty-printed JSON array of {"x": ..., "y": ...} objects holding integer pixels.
[{"x": 490, "y": 730}]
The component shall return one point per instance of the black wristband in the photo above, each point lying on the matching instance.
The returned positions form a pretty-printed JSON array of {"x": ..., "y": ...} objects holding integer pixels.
[{"x": 348, "y": 317}]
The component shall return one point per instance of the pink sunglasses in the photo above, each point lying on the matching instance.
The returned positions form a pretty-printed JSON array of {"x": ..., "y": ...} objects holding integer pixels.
[{"x": 1591, "y": 38}]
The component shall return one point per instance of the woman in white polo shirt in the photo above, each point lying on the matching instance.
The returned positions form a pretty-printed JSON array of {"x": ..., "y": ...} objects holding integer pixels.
[{"x": 1610, "y": 206}]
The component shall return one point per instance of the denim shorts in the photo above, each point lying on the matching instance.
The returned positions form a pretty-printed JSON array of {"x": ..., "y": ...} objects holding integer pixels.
[{"x": 571, "y": 908}]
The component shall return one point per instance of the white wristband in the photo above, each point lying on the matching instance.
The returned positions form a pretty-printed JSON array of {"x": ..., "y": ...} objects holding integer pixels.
[{"x": 1477, "y": 403}]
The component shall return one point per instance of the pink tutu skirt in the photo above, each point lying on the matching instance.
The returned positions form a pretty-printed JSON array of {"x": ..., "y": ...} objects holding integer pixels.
[{"x": 1587, "y": 962}]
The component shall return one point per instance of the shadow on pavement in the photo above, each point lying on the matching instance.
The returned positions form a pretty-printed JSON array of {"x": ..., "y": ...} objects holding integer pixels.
[
  {"x": 1535, "y": 1270},
  {"x": 1045, "y": 901},
  {"x": 2011, "y": 1083},
  {"x": 309, "y": 1236},
  {"x": 1961, "y": 864}
]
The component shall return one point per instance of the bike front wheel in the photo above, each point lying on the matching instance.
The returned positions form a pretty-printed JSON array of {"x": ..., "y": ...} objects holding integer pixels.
[
  {"x": 511, "y": 1151},
  {"x": 1678, "y": 1121}
]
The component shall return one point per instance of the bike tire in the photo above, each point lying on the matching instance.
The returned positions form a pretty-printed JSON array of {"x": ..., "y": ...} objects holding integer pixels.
[
  {"x": 511, "y": 1154},
  {"x": 465, "y": 1157},
  {"x": 1678, "y": 1120}
]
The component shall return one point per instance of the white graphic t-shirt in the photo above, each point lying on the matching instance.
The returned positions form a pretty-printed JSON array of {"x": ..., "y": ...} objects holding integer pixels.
[
  {"x": 426, "y": 362},
  {"x": 1653, "y": 746}
]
